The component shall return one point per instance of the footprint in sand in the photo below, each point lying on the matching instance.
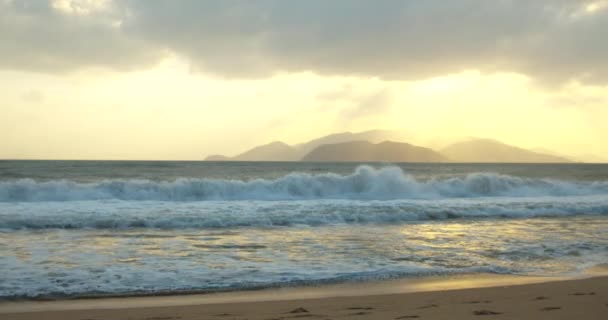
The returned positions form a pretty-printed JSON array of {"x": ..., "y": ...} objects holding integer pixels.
[
  {"x": 477, "y": 301},
  {"x": 550, "y": 308},
  {"x": 298, "y": 310},
  {"x": 485, "y": 313}
]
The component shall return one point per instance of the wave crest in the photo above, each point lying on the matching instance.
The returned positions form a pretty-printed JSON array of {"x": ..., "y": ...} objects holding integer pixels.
[{"x": 366, "y": 183}]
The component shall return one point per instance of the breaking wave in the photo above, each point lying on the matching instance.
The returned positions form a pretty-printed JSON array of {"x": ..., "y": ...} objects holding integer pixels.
[
  {"x": 366, "y": 183},
  {"x": 121, "y": 215}
]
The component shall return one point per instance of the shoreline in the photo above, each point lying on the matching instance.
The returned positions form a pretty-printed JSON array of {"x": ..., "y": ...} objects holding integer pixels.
[
  {"x": 413, "y": 283},
  {"x": 411, "y": 287},
  {"x": 581, "y": 298}
]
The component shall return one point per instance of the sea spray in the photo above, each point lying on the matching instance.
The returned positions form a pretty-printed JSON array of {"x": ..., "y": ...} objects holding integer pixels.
[
  {"x": 76, "y": 229},
  {"x": 121, "y": 215},
  {"x": 366, "y": 183}
]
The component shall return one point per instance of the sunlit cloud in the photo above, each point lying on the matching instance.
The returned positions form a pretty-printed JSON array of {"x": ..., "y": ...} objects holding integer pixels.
[
  {"x": 80, "y": 7},
  {"x": 394, "y": 40},
  {"x": 183, "y": 79},
  {"x": 596, "y": 6}
]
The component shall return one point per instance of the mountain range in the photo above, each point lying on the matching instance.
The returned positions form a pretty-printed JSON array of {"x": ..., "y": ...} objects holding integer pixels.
[
  {"x": 365, "y": 151},
  {"x": 389, "y": 146}
]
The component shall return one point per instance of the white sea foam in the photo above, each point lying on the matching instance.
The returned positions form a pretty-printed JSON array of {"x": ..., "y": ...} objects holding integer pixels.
[
  {"x": 146, "y": 261},
  {"x": 62, "y": 237},
  {"x": 119, "y": 214},
  {"x": 366, "y": 183}
]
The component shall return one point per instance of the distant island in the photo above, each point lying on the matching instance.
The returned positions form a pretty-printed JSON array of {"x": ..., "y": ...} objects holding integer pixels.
[
  {"x": 365, "y": 151},
  {"x": 388, "y": 146},
  {"x": 489, "y": 150}
]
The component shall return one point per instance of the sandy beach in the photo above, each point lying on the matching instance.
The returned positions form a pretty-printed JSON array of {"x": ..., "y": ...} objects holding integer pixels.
[
  {"x": 562, "y": 299},
  {"x": 323, "y": 160}
]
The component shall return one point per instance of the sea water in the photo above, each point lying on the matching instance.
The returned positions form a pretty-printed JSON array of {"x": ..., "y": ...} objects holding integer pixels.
[{"x": 89, "y": 228}]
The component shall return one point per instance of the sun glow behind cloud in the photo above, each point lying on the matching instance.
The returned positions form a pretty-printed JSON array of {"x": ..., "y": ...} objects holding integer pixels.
[
  {"x": 171, "y": 113},
  {"x": 80, "y": 7},
  {"x": 102, "y": 79},
  {"x": 596, "y": 6}
]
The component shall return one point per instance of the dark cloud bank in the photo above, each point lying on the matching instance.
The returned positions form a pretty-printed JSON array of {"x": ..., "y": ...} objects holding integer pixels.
[{"x": 553, "y": 41}]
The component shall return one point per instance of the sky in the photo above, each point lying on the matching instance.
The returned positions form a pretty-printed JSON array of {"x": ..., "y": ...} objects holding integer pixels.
[{"x": 182, "y": 79}]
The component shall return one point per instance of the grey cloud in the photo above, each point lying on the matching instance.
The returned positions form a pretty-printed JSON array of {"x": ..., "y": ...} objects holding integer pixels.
[
  {"x": 390, "y": 39},
  {"x": 36, "y": 37}
]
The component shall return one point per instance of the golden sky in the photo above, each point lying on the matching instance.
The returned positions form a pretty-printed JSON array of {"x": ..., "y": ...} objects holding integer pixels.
[{"x": 184, "y": 79}]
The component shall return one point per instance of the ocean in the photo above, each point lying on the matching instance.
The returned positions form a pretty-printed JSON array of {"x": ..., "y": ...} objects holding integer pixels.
[{"x": 98, "y": 228}]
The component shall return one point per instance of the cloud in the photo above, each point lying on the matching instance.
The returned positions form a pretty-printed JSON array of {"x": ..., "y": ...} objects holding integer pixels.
[
  {"x": 56, "y": 36},
  {"x": 553, "y": 40}
]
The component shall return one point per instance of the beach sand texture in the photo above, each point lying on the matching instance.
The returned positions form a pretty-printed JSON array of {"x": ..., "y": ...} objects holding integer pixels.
[{"x": 569, "y": 299}]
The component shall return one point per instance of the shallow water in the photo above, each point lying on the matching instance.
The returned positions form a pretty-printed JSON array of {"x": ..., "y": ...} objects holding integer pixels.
[{"x": 90, "y": 228}]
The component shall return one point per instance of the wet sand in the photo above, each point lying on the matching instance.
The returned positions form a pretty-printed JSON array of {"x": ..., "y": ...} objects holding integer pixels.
[{"x": 503, "y": 298}]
